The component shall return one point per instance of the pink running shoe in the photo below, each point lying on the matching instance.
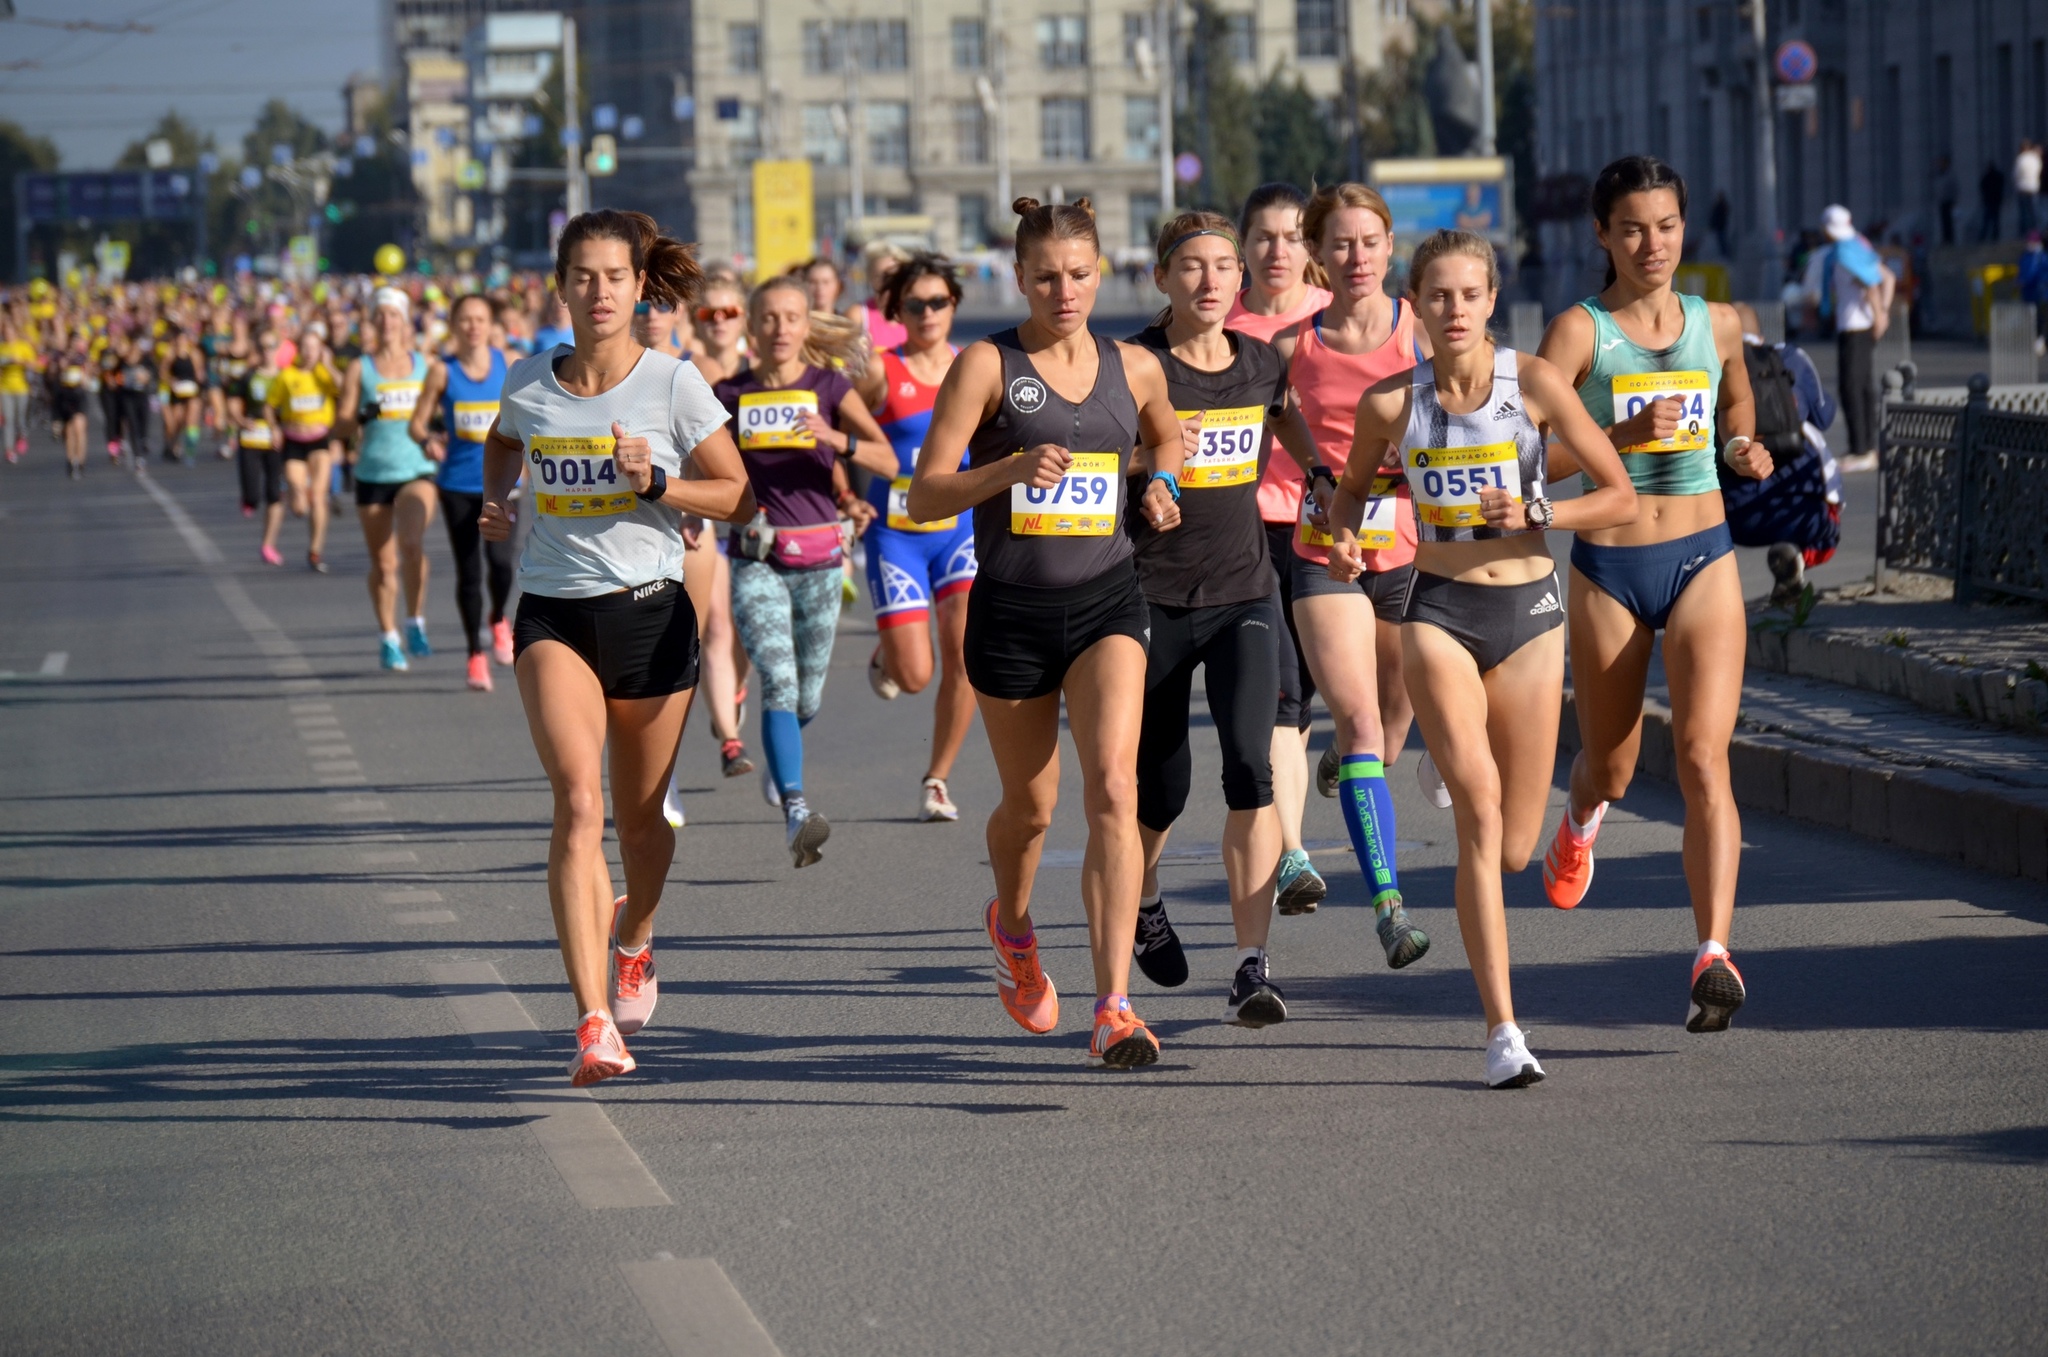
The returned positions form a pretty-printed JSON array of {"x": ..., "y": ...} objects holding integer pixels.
[
  {"x": 601, "y": 1052},
  {"x": 479, "y": 672},
  {"x": 501, "y": 642},
  {"x": 271, "y": 555},
  {"x": 634, "y": 988}
]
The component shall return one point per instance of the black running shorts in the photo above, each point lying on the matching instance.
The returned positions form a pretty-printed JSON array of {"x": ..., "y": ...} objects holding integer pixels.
[
  {"x": 639, "y": 642},
  {"x": 1021, "y": 639}
]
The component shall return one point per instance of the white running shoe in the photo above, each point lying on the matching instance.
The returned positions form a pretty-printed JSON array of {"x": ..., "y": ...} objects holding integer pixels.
[
  {"x": 634, "y": 988},
  {"x": 1508, "y": 1062},
  {"x": 601, "y": 1051},
  {"x": 1432, "y": 782},
  {"x": 770, "y": 793},
  {"x": 804, "y": 832},
  {"x": 938, "y": 805},
  {"x": 672, "y": 808},
  {"x": 886, "y": 688}
]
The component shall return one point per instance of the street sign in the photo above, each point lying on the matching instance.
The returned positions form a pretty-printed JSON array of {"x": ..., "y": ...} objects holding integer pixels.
[
  {"x": 470, "y": 175},
  {"x": 1795, "y": 98},
  {"x": 1795, "y": 62},
  {"x": 1187, "y": 167},
  {"x": 785, "y": 230}
]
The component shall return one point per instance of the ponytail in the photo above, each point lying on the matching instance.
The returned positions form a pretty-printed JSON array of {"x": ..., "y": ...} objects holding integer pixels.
[{"x": 669, "y": 265}]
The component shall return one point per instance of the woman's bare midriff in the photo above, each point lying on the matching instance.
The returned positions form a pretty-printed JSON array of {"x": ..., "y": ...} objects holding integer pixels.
[
  {"x": 1662, "y": 518},
  {"x": 1501, "y": 561}
]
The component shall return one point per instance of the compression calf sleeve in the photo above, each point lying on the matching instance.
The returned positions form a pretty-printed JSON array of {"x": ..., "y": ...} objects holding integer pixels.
[
  {"x": 783, "y": 741},
  {"x": 1369, "y": 816}
]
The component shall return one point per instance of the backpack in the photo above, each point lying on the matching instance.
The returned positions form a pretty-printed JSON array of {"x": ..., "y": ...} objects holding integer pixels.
[{"x": 1777, "y": 401}]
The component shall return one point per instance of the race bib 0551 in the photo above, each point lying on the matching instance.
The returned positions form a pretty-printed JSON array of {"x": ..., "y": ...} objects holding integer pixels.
[
  {"x": 577, "y": 478},
  {"x": 1446, "y": 482}
]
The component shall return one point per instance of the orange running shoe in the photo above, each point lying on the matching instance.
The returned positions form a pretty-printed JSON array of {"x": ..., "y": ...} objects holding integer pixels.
[
  {"x": 1025, "y": 989},
  {"x": 601, "y": 1052},
  {"x": 634, "y": 988},
  {"x": 1121, "y": 1040},
  {"x": 1717, "y": 991},
  {"x": 1568, "y": 866}
]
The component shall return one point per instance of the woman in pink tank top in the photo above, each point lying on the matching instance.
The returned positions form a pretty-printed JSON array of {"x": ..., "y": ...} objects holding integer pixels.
[{"x": 1350, "y": 629}]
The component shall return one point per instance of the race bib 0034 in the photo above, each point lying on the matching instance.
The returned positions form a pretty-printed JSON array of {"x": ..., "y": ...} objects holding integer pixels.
[
  {"x": 1634, "y": 391},
  {"x": 1446, "y": 482},
  {"x": 775, "y": 419},
  {"x": 1227, "y": 452},
  {"x": 1082, "y": 504},
  {"x": 473, "y": 419},
  {"x": 577, "y": 478},
  {"x": 899, "y": 511}
]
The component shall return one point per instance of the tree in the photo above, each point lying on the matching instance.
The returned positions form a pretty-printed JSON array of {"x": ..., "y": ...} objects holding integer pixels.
[
  {"x": 1514, "y": 90},
  {"x": 187, "y": 143},
  {"x": 1296, "y": 143},
  {"x": 20, "y": 153},
  {"x": 266, "y": 216},
  {"x": 1219, "y": 120},
  {"x": 160, "y": 247},
  {"x": 375, "y": 202}
]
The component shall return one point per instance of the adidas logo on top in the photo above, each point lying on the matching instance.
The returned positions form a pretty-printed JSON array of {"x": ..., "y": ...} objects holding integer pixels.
[
  {"x": 1505, "y": 411},
  {"x": 1546, "y": 604}
]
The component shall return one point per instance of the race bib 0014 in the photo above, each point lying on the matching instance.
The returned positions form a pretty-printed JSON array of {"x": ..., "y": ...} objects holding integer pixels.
[
  {"x": 577, "y": 478},
  {"x": 395, "y": 400},
  {"x": 473, "y": 419},
  {"x": 1446, "y": 482},
  {"x": 899, "y": 511},
  {"x": 1227, "y": 451},
  {"x": 1082, "y": 504},
  {"x": 775, "y": 419},
  {"x": 1634, "y": 391}
]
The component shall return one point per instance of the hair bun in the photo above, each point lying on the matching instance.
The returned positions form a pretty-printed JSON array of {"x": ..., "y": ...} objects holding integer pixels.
[
  {"x": 1023, "y": 206},
  {"x": 1084, "y": 205}
]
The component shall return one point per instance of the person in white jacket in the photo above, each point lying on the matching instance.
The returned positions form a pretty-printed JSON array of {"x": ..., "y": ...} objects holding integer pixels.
[{"x": 1849, "y": 282}]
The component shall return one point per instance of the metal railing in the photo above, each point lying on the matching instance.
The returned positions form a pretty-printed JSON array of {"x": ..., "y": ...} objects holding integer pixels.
[{"x": 1963, "y": 491}]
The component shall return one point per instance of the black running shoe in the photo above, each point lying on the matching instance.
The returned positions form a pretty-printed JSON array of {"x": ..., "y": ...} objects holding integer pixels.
[
  {"x": 733, "y": 760},
  {"x": 1405, "y": 943},
  {"x": 1255, "y": 1001},
  {"x": 1157, "y": 948},
  {"x": 1328, "y": 770}
]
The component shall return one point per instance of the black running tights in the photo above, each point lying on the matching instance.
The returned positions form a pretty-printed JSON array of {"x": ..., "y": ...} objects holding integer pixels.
[
  {"x": 473, "y": 556},
  {"x": 1235, "y": 645}
]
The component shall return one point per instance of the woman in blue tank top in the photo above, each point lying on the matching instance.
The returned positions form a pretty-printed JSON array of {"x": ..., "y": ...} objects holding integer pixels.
[
  {"x": 464, "y": 389},
  {"x": 1663, "y": 374}
]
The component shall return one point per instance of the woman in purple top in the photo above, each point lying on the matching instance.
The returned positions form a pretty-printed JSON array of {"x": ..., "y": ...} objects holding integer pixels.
[{"x": 794, "y": 420}]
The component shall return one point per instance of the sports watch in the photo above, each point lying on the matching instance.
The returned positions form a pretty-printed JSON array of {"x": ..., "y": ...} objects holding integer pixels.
[
  {"x": 657, "y": 484},
  {"x": 1539, "y": 512}
]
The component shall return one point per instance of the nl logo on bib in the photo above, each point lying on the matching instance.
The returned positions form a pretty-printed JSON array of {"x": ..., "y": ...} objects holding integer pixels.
[{"x": 1027, "y": 394}]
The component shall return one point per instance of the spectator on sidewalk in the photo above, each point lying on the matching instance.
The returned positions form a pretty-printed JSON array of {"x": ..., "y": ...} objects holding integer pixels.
[
  {"x": 1797, "y": 511},
  {"x": 2034, "y": 288},
  {"x": 1946, "y": 191},
  {"x": 1717, "y": 222},
  {"x": 1847, "y": 281},
  {"x": 2026, "y": 186},
  {"x": 1991, "y": 193}
]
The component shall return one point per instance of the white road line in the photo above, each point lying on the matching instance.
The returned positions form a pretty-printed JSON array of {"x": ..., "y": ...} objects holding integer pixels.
[
  {"x": 410, "y": 898},
  {"x": 425, "y": 916},
  {"x": 327, "y": 751},
  {"x": 306, "y": 709},
  {"x": 358, "y": 806},
  {"x": 54, "y": 662},
  {"x": 386, "y": 859},
  {"x": 697, "y": 1310},
  {"x": 594, "y": 1160},
  {"x": 338, "y": 766}
]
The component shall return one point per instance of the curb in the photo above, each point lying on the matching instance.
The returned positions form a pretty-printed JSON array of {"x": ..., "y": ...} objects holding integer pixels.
[
  {"x": 1988, "y": 826},
  {"x": 2000, "y": 697}
]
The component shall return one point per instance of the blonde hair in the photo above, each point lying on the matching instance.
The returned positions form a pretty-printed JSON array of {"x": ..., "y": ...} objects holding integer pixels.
[
  {"x": 1442, "y": 244},
  {"x": 834, "y": 340},
  {"x": 1327, "y": 202}
]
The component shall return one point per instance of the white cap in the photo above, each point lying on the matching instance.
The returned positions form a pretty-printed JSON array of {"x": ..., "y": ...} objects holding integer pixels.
[
  {"x": 1836, "y": 223},
  {"x": 391, "y": 297}
]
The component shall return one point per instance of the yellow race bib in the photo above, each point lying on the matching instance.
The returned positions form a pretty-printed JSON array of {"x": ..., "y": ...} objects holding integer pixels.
[
  {"x": 775, "y": 419},
  {"x": 395, "y": 400},
  {"x": 1227, "y": 452},
  {"x": 1378, "y": 527},
  {"x": 1082, "y": 504},
  {"x": 899, "y": 511},
  {"x": 184, "y": 391},
  {"x": 1446, "y": 482},
  {"x": 473, "y": 419},
  {"x": 578, "y": 478},
  {"x": 1635, "y": 390}
]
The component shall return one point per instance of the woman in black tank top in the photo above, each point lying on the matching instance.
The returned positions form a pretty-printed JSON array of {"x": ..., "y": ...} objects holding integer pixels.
[{"x": 1050, "y": 418}]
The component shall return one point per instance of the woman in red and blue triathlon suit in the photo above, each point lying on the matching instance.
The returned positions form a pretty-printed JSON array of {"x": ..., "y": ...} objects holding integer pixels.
[{"x": 916, "y": 569}]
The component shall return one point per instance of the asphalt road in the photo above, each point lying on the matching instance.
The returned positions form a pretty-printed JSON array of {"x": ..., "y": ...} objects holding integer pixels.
[{"x": 274, "y": 947}]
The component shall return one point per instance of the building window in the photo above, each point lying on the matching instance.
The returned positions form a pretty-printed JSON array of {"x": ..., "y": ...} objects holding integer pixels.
[
  {"x": 1141, "y": 127},
  {"x": 1944, "y": 107},
  {"x": 970, "y": 132},
  {"x": 1315, "y": 29},
  {"x": 743, "y": 220},
  {"x": 1063, "y": 129},
  {"x": 1891, "y": 193},
  {"x": 888, "y": 128},
  {"x": 825, "y": 134},
  {"x": 1138, "y": 30},
  {"x": 973, "y": 221},
  {"x": 743, "y": 48},
  {"x": 1702, "y": 167},
  {"x": 970, "y": 45},
  {"x": 1241, "y": 38},
  {"x": 878, "y": 44},
  {"x": 1144, "y": 219},
  {"x": 1063, "y": 41},
  {"x": 743, "y": 135},
  {"x": 1703, "y": 23}
]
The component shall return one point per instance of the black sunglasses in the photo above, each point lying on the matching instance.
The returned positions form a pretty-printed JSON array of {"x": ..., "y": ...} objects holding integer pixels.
[{"x": 918, "y": 307}]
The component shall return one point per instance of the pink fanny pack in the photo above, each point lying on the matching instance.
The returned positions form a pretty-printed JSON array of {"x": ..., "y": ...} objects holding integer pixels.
[{"x": 807, "y": 548}]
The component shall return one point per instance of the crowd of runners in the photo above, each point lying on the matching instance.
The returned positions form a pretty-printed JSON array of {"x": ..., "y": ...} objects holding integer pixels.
[{"x": 1293, "y": 479}]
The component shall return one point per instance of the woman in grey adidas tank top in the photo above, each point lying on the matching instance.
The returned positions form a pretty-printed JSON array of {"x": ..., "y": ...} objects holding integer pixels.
[
  {"x": 1480, "y": 637},
  {"x": 1051, "y": 418}
]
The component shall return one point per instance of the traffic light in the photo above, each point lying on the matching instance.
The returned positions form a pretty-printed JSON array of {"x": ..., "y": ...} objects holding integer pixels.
[{"x": 604, "y": 154}]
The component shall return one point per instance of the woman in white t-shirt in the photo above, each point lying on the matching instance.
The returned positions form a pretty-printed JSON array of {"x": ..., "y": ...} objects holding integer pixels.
[{"x": 620, "y": 442}]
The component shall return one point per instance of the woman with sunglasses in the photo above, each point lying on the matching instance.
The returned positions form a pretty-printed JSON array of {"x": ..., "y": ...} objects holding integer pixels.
[
  {"x": 796, "y": 418},
  {"x": 916, "y": 570},
  {"x": 658, "y": 326}
]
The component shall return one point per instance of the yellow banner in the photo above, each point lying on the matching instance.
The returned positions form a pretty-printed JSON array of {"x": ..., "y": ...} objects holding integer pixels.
[{"x": 785, "y": 232}]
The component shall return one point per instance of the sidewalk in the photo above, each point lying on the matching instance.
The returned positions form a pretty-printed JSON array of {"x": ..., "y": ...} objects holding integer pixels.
[{"x": 1899, "y": 717}]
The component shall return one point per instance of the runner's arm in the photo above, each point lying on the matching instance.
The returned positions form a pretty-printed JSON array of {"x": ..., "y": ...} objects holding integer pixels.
[
  {"x": 716, "y": 485},
  {"x": 1736, "y": 417},
  {"x": 864, "y": 444},
  {"x": 941, "y": 487},
  {"x": 1555, "y": 407},
  {"x": 430, "y": 396},
  {"x": 1382, "y": 417},
  {"x": 345, "y": 410},
  {"x": 1568, "y": 347}
]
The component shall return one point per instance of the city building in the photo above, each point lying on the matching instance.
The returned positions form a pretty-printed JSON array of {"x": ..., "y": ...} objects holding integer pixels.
[
  {"x": 437, "y": 131},
  {"x": 935, "y": 100},
  {"x": 1908, "y": 104}
]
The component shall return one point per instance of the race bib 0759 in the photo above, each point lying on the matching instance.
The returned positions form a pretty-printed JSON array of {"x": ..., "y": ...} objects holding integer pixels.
[
  {"x": 775, "y": 419},
  {"x": 473, "y": 419},
  {"x": 1227, "y": 452},
  {"x": 1634, "y": 391},
  {"x": 899, "y": 510},
  {"x": 395, "y": 400},
  {"x": 577, "y": 478},
  {"x": 1081, "y": 504},
  {"x": 1446, "y": 482}
]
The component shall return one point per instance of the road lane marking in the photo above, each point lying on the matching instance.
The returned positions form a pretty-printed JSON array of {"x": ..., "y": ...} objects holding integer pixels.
[
  {"x": 338, "y": 766},
  {"x": 409, "y": 897},
  {"x": 596, "y": 1163},
  {"x": 54, "y": 662},
  {"x": 306, "y": 709},
  {"x": 696, "y": 1309},
  {"x": 425, "y": 916},
  {"x": 358, "y": 806},
  {"x": 328, "y": 751},
  {"x": 387, "y": 859}
]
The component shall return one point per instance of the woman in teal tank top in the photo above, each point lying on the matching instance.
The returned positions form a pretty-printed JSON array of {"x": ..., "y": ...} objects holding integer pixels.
[
  {"x": 1663, "y": 374},
  {"x": 395, "y": 496}
]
